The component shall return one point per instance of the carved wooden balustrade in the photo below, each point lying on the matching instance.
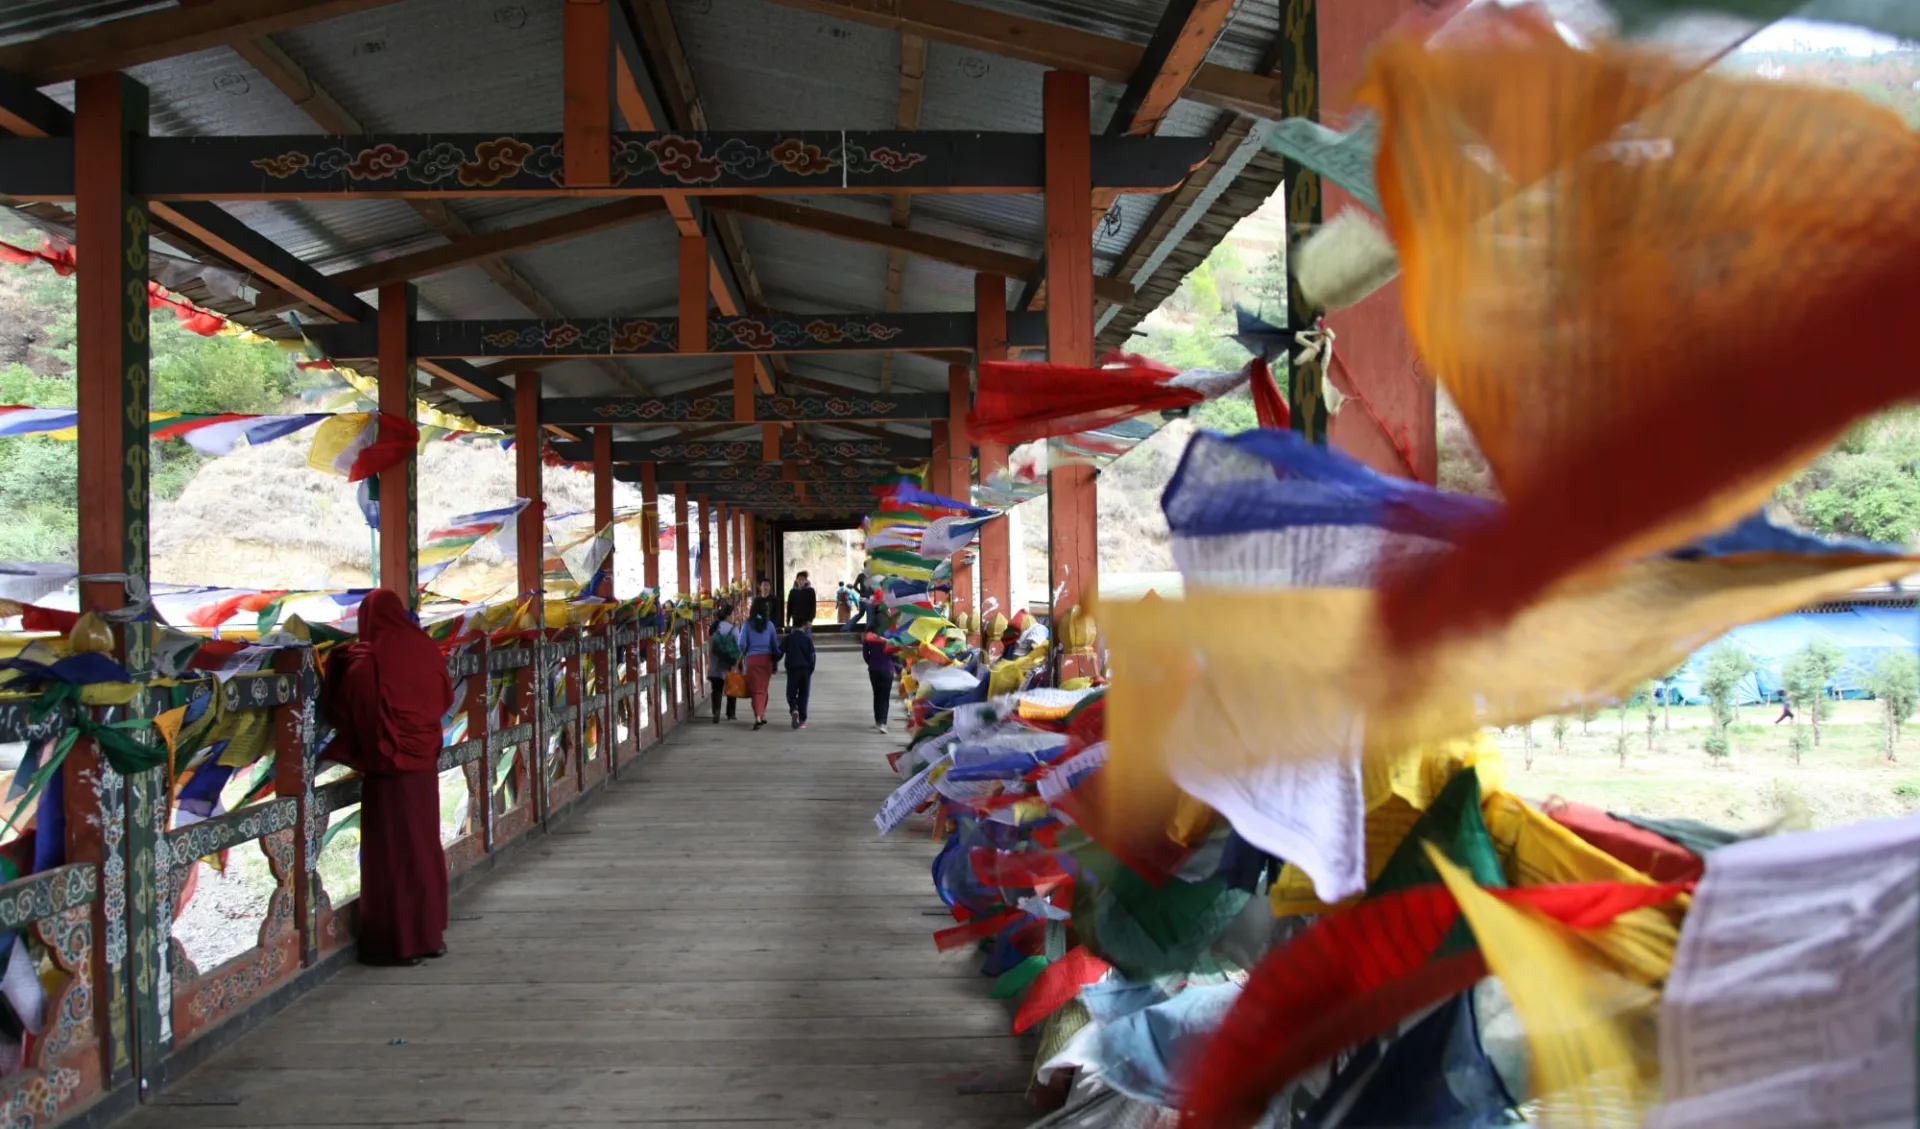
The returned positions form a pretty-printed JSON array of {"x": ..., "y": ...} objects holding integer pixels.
[{"x": 540, "y": 723}]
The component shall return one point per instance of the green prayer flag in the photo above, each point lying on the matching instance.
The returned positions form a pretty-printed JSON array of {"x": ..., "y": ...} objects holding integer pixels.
[{"x": 1015, "y": 980}]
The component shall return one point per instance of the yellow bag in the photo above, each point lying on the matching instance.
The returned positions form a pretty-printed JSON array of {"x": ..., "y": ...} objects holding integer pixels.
[{"x": 737, "y": 685}]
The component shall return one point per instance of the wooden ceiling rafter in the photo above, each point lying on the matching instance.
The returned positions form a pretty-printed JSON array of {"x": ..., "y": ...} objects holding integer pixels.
[
  {"x": 1051, "y": 45},
  {"x": 121, "y": 44},
  {"x": 913, "y": 80},
  {"x": 654, "y": 90},
  {"x": 1178, "y": 49},
  {"x": 325, "y": 111}
]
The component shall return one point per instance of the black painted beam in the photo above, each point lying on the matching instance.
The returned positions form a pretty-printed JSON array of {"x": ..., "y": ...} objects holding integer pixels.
[
  {"x": 294, "y": 166},
  {"x": 524, "y": 338},
  {"x": 736, "y": 450},
  {"x": 805, "y": 407},
  {"x": 860, "y": 475}
]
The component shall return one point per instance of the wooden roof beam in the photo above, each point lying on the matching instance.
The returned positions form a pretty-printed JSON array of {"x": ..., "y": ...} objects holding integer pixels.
[
  {"x": 313, "y": 100},
  {"x": 971, "y": 256},
  {"x": 913, "y": 80},
  {"x": 120, "y": 44},
  {"x": 466, "y": 252},
  {"x": 650, "y": 100},
  {"x": 1174, "y": 55},
  {"x": 1051, "y": 45}
]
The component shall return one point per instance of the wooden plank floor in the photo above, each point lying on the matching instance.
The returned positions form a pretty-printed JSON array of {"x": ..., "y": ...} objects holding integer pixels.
[{"x": 718, "y": 939}]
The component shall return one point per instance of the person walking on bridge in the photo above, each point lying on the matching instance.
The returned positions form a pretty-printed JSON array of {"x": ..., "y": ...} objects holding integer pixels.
[
  {"x": 797, "y": 652},
  {"x": 723, "y": 655},
  {"x": 761, "y": 646},
  {"x": 386, "y": 695},
  {"x": 802, "y": 603}
]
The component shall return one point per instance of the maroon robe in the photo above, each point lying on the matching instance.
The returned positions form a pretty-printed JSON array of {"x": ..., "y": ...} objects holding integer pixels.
[{"x": 385, "y": 696}]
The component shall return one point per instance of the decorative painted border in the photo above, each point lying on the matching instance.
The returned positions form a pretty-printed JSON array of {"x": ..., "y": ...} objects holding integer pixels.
[
  {"x": 190, "y": 844},
  {"x": 17, "y": 722},
  {"x": 508, "y": 658},
  {"x": 40, "y": 896},
  {"x": 262, "y": 691},
  {"x": 453, "y": 756}
]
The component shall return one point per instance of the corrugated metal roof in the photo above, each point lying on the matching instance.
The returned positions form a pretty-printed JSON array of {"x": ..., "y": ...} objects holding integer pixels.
[
  {"x": 456, "y": 65},
  {"x": 31, "y": 19}
]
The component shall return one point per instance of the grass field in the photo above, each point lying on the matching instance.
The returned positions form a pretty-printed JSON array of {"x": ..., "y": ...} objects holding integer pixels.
[{"x": 1845, "y": 779}]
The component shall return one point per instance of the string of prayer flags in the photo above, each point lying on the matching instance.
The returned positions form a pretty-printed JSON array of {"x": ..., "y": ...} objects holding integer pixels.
[
  {"x": 1505, "y": 161},
  {"x": 358, "y": 445}
]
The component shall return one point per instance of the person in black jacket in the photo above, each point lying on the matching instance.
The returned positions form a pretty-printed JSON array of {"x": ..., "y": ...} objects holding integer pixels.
[
  {"x": 798, "y": 651},
  {"x": 802, "y": 604},
  {"x": 765, "y": 604}
]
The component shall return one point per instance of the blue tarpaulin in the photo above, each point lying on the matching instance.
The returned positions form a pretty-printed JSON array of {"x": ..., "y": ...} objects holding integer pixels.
[{"x": 1863, "y": 635}]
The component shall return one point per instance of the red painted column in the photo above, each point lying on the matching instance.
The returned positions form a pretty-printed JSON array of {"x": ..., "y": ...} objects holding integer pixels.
[
  {"x": 587, "y": 83},
  {"x": 112, "y": 363},
  {"x": 706, "y": 546},
  {"x": 529, "y": 544},
  {"x": 399, "y": 485},
  {"x": 693, "y": 294},
  {"x": 1371, "y": 338},
  {"x": 722, "y": 528},
  {"x": 996, "y": 572},
  {"x": 1073, "y": 531},
  {"x": 603, "y": 497},
  {"x": 960, "y": 470},
  {"x": 650, "y": 562},
  {"x": 683, "y": 575}
]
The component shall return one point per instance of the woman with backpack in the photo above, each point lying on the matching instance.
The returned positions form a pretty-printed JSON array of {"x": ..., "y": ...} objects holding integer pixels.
[{"x": 723, "y": 655}]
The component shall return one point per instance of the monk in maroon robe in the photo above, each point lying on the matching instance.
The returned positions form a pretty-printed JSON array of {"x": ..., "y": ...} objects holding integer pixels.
[{"x": 386, "y": 695}]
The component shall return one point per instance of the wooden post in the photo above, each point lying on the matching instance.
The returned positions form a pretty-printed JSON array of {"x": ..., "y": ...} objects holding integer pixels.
[
  {"x": 530, "y": 551},
  {"x": 996, "y": 572},
  {"x": 770, "y": 442},
  {"x": 603, "y": 498},
  {"x": 743, "y": 390},
  {"x": 400, "y": 484},
  {"x": 960, "y": 473},
  {"x": 740, "y": 550},
  {"x": 693, "y": 295},
  {"x": 111, "y": 317},
  {"x": 722, "y": 534},
  {"x": 293, "y": 776},
  {"x": 683, "y": 574},
  {"x": 587, "y": 109},
  {"x": 1375, "y": 350},
  {"x": 1073, "y": 531},
  {"x": 706, "y": 545},
  {"x": 650, "y": 562}
]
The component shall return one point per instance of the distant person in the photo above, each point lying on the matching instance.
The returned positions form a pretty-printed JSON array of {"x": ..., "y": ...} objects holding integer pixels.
[
  {"x": 882, "y": 670},
  {"x": 802, "y": 604},
  {"x": 765, "y": 604},
  {"x": 865, "y": 602},
  {"x": 386, "y": 695},
  {"x": 723, "y": 655},
  {"x": 843, "y": 603},
  {"x": 760, "y": 645},
  {"x": 1786, "y": 709},
  {"x": 797, "y": 650}
]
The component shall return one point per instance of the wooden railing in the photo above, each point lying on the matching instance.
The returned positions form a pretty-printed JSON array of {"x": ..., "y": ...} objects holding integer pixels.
[{"x": 549, "y": 719}]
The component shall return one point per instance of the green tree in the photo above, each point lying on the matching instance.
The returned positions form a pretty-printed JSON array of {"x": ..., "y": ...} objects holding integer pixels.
[
  {"x": 1866, "y": 485},
  {"x": 1804, "y": 679},
  {"x": 1896, "y": 683},
  {"x": 1560, "y": 733},
  {"x": 1588, "y": 712},
  {"x": 1269, "y": 287},
  {"x": 39, "y": 476},
  {"x": 1669, "y": 685},
  {"x": 1727, "y": 664}
]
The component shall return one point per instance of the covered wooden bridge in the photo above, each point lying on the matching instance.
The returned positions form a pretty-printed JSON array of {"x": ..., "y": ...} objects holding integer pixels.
[{"x": 742, "y": 252}]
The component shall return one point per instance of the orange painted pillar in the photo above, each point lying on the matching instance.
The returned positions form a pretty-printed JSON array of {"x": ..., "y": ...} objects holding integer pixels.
[
  {"x": 683, "y": 575},
  {"x": 650, "y": 564},
  {"x": 603, "y": 498},
  {"x": 587, "y": 86},
  {"x": 960, "y": 472},
  {"x": 740, "y": 570},
  {"x": 693, "y": 294},
  {"x": 111, "y": 314},
  {"x": 1376, "y": 353},
  {"x": 721, "y": 537},
  {"x": 990, "y": 344},
  {"x": 399, "y": 484},
  {"x": 1072, "y": 525},
  {"x": 706, "y": 546},
  {"x": 530, "y": 542}
]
